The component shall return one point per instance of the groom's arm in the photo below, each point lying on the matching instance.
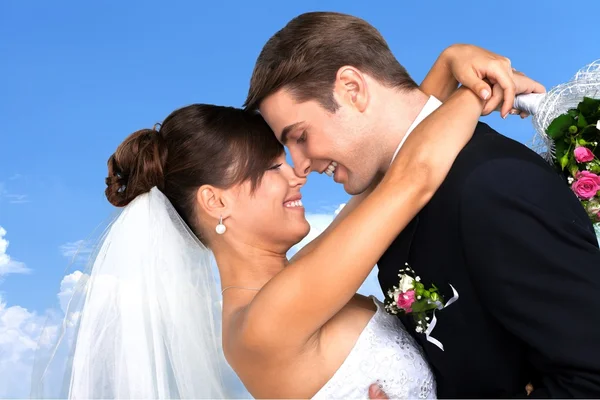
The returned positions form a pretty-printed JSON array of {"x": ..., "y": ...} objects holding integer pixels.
[{"x": 536, "y": 264}]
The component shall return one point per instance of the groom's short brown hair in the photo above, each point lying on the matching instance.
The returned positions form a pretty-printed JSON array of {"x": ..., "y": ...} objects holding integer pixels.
[{"x": 305, "y": 56}]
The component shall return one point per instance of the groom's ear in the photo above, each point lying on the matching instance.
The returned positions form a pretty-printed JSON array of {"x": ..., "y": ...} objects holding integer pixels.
[
  {"x": 213, "y": 201},
  {"x": 351, "y": 88}
]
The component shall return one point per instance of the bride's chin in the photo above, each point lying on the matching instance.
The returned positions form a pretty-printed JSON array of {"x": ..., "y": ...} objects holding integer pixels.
[
  {"x": 304, "y": 232},
  {"x": 300, "y": 232}
]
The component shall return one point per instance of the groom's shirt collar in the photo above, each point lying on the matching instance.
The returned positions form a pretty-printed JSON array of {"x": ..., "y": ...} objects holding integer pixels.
[{"x": 429, "y": 107}]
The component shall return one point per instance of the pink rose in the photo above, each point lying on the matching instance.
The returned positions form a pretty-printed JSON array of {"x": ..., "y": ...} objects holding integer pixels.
[
  {"x": 583, "y": 154},
  {"x": 586, "y": 185},
  {"x": 588, "y": 174},
  {"x": 405, "y": 300}
]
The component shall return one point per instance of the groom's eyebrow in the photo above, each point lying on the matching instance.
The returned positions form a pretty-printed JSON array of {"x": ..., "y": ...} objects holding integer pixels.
[{"x": 286, "y": 131}]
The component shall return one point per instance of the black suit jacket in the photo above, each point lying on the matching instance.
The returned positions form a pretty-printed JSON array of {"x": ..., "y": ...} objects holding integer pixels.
[{"x": 506, "y": 231}]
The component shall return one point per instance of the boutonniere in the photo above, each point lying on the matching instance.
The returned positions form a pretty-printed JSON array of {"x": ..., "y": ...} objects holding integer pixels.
[{"x": 411, "y": 297}]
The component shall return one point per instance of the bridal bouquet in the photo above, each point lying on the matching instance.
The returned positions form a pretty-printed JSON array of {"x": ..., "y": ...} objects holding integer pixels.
[
  {"x": 566, "y": 121},
  {"x": 575, "y": 135}
]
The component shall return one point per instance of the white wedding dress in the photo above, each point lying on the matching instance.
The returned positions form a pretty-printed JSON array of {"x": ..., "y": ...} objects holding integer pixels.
[{"x": 384, "y": 353}]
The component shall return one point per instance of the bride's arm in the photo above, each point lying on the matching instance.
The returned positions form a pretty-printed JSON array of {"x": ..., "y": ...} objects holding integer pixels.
[
  {"x": 475, "y": 67},
  {"x": 297, "y": 302}
]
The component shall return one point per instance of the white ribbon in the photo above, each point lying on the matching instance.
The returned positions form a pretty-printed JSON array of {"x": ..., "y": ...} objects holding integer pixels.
[
  {"x": 428, "y": 336},
  {"x": 530, "y": 103}
]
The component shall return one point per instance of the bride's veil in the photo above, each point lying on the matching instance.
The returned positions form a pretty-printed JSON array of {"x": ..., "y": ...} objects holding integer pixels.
[{"x": 144, "y": 320}]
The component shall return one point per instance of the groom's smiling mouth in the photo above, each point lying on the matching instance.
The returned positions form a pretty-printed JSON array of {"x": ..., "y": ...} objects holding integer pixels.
[{"x": 330, "y": 170}]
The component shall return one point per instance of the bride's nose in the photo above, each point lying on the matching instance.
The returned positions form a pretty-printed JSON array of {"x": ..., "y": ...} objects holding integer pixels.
[
  {"x": 294, "y": 179},
  {"x": 297, "y": 181}
]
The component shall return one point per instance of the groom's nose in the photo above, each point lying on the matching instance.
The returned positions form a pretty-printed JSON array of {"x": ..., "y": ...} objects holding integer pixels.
[{"x": 302, "y": 165}]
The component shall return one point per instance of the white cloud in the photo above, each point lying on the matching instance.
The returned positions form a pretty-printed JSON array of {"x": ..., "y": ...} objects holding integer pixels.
[
  {"x": 26, "y": 336},
  {"x": 17, "y": 198},
  {"x": 67, "y": 289},
  {"x": 78, "y": 252},
  {"x": 20, "y": 330},
  {"x": 13, "y": 198},
  {"x": 19, "y": 333},
  {"x": 340, "y": 207},
  {"x": 7, "y": 264}
]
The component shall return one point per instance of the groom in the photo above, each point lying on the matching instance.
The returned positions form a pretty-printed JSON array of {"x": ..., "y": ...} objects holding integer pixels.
[{"x": 503, "y": 229}]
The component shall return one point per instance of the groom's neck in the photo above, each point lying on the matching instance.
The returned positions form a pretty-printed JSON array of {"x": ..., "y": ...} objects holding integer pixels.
[{"x": 396, "y": 114}]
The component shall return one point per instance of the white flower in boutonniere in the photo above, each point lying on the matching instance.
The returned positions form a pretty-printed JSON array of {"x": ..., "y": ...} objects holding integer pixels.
[
  {"x": 406, "y": 283},
  {"x": 598, "y": 124}
]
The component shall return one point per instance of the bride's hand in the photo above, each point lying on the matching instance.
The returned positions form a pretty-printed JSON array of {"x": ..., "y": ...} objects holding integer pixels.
[
  {"x": 472, "y": 66},
  {"x": 488, "y": 74}
]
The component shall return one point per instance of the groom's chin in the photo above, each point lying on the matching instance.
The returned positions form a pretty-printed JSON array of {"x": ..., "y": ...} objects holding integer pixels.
[{"x": 353, "y": 188}]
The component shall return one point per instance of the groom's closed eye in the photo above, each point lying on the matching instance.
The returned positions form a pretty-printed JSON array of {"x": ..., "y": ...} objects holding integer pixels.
[
  {"x": 302, "y": 138},
  {"x": 287, "y": 130}
]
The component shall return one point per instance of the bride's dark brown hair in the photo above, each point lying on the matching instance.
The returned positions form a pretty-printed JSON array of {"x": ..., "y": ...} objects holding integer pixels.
[{"x": 196, "y": 145}]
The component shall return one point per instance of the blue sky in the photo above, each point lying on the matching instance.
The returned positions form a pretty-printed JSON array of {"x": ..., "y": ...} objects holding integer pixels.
[{"x": 78, "y": 77}]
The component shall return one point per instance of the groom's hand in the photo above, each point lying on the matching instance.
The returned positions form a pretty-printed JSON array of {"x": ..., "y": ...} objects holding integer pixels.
[
  {"x": 523, "y": 85},
  {"x": 375, "y": 392}
]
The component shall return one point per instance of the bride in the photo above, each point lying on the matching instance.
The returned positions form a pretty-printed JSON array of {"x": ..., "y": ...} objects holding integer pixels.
[{"x": 216, "y": 178}]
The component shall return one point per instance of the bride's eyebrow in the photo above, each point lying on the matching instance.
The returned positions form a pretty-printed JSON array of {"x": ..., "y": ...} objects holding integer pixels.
[{"x": 287, "y": 130}]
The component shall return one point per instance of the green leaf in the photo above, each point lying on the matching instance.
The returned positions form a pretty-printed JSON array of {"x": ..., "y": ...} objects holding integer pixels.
[
  {"x": 573, "y": 169},
  {"x": 588, "y": 106},
  {"x": 581, "y": 121},
  {"x": 560, "y": 148},
  {"x": 564, "y": 161},
  {"x": 590, "y": 133},
  {"x": 560, "y": 126},
  {"x": 422, "y": 305}
]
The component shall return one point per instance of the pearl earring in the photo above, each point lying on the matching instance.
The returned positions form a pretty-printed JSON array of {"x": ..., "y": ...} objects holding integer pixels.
[{"x": 220, "y": 227}]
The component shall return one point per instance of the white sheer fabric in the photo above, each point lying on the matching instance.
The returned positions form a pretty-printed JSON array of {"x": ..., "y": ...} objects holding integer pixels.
[
  {"x": 145, "y": 320},
  {"x": 546, "y": 107}
]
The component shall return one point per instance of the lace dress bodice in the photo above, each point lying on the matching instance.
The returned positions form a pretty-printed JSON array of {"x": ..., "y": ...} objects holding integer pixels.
[{"x": 384, "y": 353}]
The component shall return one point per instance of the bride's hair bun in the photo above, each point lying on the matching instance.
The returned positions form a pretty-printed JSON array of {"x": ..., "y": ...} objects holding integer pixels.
[{"x": 136, "y": 167}]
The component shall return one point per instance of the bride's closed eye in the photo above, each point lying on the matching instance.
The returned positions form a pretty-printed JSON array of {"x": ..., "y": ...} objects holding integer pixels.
[{"x": 275, "y": 167}]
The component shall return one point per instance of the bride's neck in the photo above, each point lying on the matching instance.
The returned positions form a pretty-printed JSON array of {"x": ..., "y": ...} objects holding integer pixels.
[{"x": 248, "y": 266}]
